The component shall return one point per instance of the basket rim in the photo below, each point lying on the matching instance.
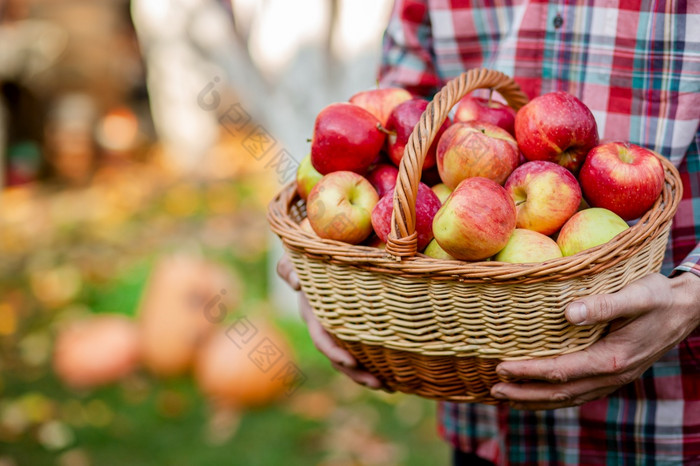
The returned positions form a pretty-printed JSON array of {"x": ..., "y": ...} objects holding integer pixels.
[{"x": 590, "y": 261}]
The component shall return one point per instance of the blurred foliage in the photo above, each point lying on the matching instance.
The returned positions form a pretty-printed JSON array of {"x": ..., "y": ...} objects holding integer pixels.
[{"x": 69, "y": 253}]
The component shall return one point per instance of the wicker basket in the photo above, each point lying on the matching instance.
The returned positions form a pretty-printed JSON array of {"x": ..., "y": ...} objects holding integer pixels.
[{"x": 438, "y": 328}]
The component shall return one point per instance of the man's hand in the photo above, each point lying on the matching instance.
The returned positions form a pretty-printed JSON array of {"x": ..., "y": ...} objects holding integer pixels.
[
  {"x": 340, "y": 358},
  {"x": 648, "y": 318}
]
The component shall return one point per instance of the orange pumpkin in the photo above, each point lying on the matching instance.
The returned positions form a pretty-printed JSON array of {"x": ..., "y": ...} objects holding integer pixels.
[
  {"x": 96, "y": 351},
  {"x": 186, "y": 297},
  {"x": 237, "y": 371}
]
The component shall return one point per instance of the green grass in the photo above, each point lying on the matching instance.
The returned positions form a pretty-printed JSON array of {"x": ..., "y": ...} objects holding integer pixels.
[{"x": 147, "y": 421}]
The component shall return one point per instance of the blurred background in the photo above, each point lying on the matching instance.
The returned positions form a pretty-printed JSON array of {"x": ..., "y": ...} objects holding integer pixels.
[{"x": 140, "y": 320}]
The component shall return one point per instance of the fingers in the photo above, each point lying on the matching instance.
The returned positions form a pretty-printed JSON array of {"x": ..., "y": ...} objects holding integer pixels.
[
  {"x": 602, "y": 358},
  {"x": 285, "y": 269},
  {"x": 321, "y": 339},
  {"x": 536, "y": 396},
  {"x": 360, "y": 376},
  {"x": 634, "y": 299}
]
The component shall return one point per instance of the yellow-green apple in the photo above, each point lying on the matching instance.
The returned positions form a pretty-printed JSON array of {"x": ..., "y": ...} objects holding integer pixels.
[
  {"x": 527, "y": 246},
  {"x": 622, "y": 177},
  {"x": 546, "y": 195},
  {"x": 427, "y": 204},
  {"x": 380, "y": 102},
  {"x": 307, "y": 177},
  {"x": 340, "y": 207},
  {"x": 346, "y": 137},
  {"x": 487, "y": 110},
  {"x": 474, "y": 149},
  {"x": 434, "y": 250},
  {"x": 556, "y": 127},
  {"x": 589, "y": 228},
  {"x": 442, "y": 191},
  {"x": 476, "y": 220},
  {"x": 383, "y": 178},
  {"x": 400, "y": 126}
]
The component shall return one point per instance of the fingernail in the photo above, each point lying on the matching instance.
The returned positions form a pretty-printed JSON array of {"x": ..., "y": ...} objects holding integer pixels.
[
  {"x": 348, "y": 363},
  {"x": 497, "y": 393},
  {"x": 577, "y": 314},
  {"x": 503, "y": 372}
]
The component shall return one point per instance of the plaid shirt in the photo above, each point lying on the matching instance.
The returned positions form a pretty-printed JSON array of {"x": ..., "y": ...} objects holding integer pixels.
[{"x": 636, "y": 64}]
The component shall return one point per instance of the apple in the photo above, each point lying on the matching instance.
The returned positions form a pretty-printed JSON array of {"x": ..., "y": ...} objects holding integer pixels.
[
  {"x": 546, "y": 195},
  {"x": 474, "y": 149},
  {"x": 434, "y": 250},
  {"x": 383, "y": 178},
  {"x": 556, "y": 127},
  {"x": 400, "y": 126},
  {"x": 427, "y": 204},
  {"x": 589, "y": 228},
  {"x": 340, "y": 207},
  {"x": 346, "y": 138},
  {"x": 380, "y": 102},
  {"x": 486, "y": 110},
  {"x": 622, "y": 177},
  {"x": 476, "y": 221},
  {"x": 307, "y": 177},
  {"x": 442, "y": 191},
  {"x": 526, "y": 246}
]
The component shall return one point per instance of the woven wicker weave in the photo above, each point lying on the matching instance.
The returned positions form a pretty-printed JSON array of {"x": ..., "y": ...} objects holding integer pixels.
[{"x": 438, "y": 328}]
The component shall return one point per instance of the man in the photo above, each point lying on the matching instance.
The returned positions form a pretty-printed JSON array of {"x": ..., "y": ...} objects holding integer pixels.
[{"x": 634, "y": 396}]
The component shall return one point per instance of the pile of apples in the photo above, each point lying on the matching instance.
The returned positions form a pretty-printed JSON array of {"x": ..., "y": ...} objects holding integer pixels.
[{"x": 497, "y": 185}]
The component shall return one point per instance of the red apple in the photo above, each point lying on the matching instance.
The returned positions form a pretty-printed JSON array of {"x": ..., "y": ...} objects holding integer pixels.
[
  {"x": 340, "y": 207},
  {"x": 589, "y": 228},
  {"x": 427, "y": 204},
  {"x": 383, "y": 178},
  {"x": 474, "y": 149},
  {"x": 307, "y": 177},
  {"x": 623, "y": 178},
  {"x": 546, "y": 195},
  {"x": 380, "y": 102},
  {"x": 401, "y": 123},
  {"x": 556, "y": 127},
  {"x": 487, "y": 111},
  {"x": 476, "y": 221},
  {"x": 526, "y": 246},
  {"x": 346, "y": 137}
]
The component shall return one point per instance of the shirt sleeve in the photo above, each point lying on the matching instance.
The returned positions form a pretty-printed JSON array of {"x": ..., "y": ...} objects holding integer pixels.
[
  {"x": 407, "y": 57},
  {"x": 691, "y": 263}
]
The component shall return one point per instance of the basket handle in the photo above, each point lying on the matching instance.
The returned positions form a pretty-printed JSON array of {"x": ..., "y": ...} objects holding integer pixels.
[{"x": 402, "y": 241}]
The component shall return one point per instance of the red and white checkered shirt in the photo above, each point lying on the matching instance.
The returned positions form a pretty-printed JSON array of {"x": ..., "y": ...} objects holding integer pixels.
[{"x": 636, "y": 64}]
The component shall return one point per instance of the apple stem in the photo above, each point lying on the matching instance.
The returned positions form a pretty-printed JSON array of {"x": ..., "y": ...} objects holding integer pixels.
[
  {"x": 308, "y": 139},
  {"x": 519, "y": 202},
  {"x": 490, "y": 96},
  {"x": 385, "y": 131}
]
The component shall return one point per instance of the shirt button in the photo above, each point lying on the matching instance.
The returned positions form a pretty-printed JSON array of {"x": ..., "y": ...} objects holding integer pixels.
[{"x": 558, "y": 21}]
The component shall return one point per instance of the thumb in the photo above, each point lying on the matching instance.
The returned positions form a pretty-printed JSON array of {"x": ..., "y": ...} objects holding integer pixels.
[{"x": 629, "y": 301}]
